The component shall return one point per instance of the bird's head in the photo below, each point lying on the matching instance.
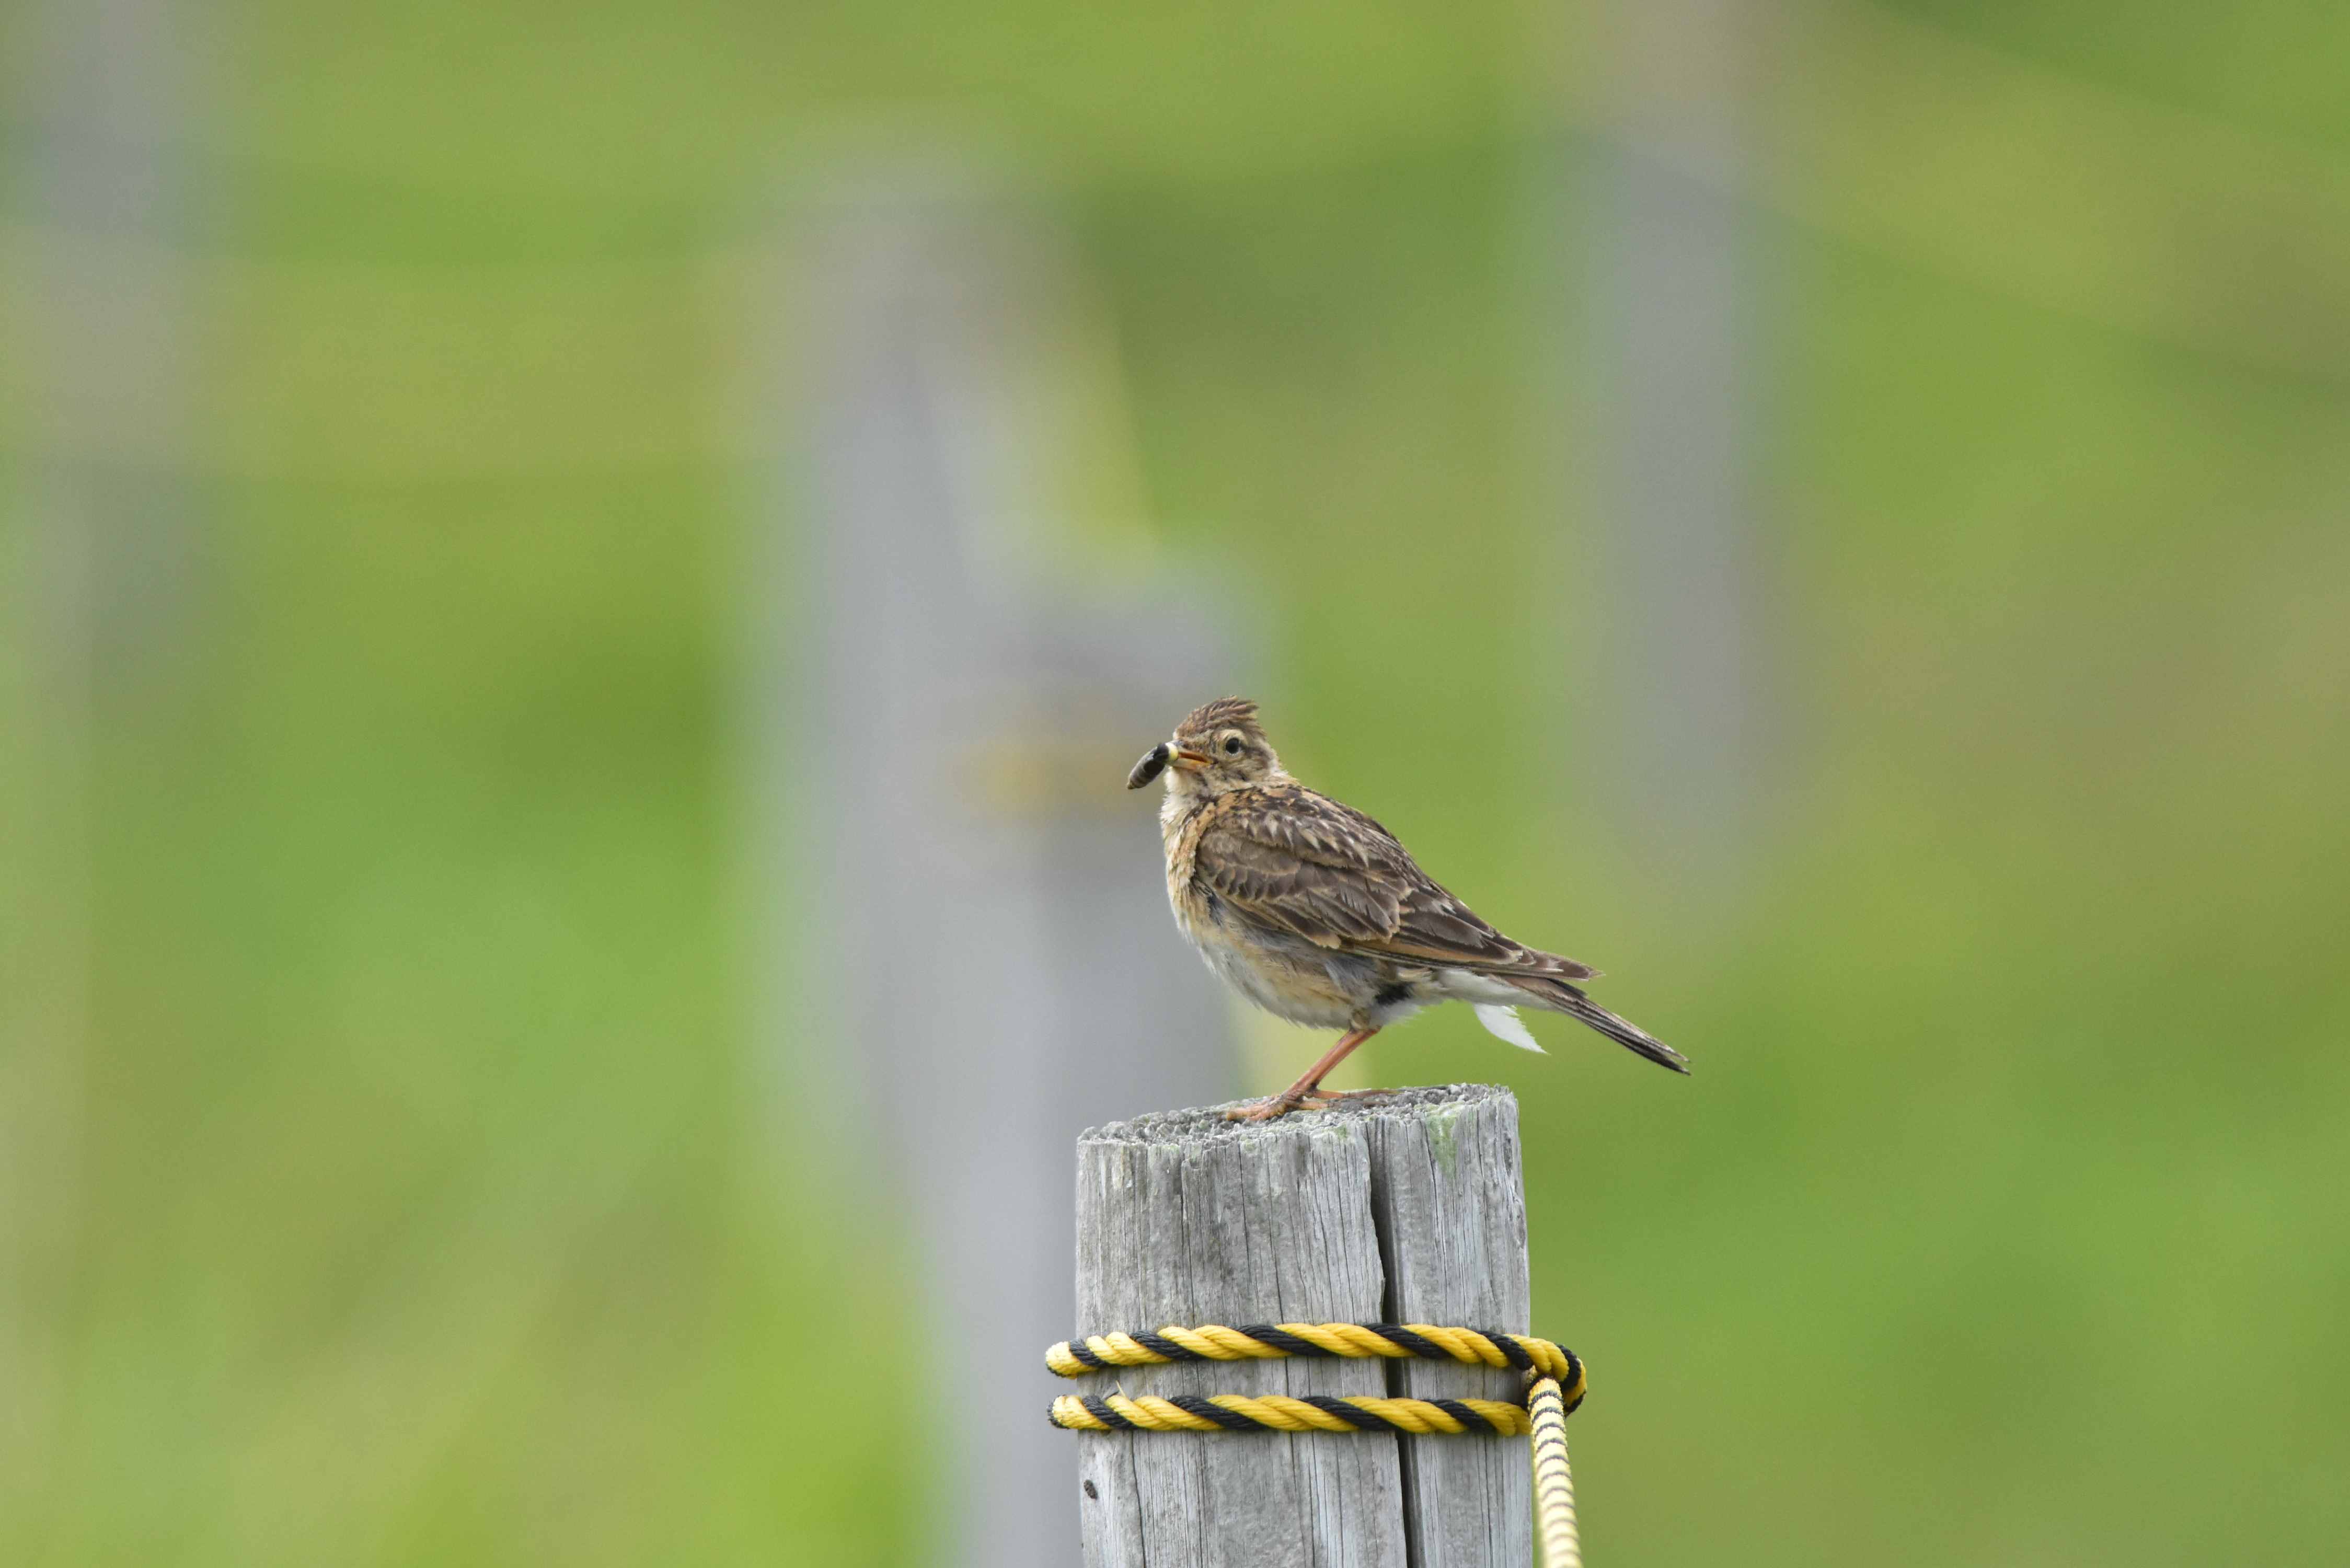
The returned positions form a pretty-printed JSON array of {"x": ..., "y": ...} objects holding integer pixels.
[{"x": 1217, "y": 748}]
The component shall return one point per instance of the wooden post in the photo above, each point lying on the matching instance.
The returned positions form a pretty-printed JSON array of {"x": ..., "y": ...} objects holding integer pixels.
[{"x": 1408, "y": 1209}]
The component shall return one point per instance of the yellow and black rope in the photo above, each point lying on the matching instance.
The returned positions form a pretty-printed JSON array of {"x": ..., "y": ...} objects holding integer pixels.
[
  {"x": 1324, "y": 1413},
  {"x": 1555, "y": 1386},
  {"x": 1554, "y": 1482}
]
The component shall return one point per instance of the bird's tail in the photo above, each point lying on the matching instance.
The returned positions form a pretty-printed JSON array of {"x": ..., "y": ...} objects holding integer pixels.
[{"x": 1560, "y": 997}]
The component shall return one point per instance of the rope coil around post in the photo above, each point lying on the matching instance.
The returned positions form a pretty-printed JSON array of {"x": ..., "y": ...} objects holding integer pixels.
[{"x": 1556, "y": 1385}]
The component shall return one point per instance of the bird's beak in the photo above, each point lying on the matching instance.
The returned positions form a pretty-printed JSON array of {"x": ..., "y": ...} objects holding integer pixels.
[{"x": 1184, "y": 757}]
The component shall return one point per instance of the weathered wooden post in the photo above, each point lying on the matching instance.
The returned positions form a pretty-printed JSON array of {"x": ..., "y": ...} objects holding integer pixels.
[{"x": 1408, "y": 1209}]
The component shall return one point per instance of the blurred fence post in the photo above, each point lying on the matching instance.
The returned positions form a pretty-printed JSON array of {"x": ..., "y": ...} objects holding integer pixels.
[
  {"x": 980, "y": 930},
  {"x": 1674, "y": 306},
  {"x": 109, "y": 200},
  {"x": 1408, "y": 1211},
  {"x": 92, "y": 568}
]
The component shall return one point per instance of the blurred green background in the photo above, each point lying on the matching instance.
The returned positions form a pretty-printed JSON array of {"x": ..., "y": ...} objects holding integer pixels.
[{"x": 387, "y": 1175}]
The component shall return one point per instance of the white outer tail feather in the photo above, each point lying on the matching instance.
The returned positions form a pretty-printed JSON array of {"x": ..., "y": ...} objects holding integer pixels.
[{"x": 1504, "y": 1024}]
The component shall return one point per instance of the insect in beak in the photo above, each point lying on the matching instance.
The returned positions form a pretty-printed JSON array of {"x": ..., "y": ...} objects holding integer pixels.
[{"x": 1153, "y": 763}]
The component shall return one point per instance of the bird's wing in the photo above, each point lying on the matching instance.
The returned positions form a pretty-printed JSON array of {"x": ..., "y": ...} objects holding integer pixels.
[{"x": 1304, "y": 862}]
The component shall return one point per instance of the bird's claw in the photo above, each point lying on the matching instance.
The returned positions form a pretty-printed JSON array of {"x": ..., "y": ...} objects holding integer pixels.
[
  {"x": 1323, "y": 1099},
  {"x": 1270, "y": 1108},
  {"x": 1273, "y": 1107}
]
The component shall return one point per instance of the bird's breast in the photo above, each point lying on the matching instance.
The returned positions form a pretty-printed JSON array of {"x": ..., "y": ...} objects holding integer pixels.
[
  {"x": 1287, "y": 976},
  {"x": 1181, "y": 824}
]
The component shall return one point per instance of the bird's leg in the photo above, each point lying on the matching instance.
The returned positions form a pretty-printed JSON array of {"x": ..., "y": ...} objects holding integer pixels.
[
  {"x": 1329, "y": 1063},
  {"x": 1308, "y": 1088}
]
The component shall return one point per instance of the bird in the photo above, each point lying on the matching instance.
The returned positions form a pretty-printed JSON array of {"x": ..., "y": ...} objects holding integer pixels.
[{"x": 1315, "y": 913}]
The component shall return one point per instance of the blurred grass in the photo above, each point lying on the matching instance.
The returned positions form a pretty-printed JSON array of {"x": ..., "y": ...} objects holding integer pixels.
[
  {"x": 418, "y": 1224},
  {"x": 421, "y": 1207}
]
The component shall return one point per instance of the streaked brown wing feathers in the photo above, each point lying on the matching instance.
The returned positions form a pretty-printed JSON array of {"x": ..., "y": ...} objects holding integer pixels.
[
  {"x": 1295, "y": 860},
  {"x": 1310, "y": 864}
]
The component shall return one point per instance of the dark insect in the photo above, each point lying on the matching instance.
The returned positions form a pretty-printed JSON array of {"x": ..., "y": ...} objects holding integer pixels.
[
  {"x": 1090, "y": 1491},
  {"x": 1153, "y": 763}
]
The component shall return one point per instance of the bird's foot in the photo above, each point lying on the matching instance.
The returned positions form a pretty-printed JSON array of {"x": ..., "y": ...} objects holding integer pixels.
[
  {"x": 1322, "y": 1099},
  {"x": 1276, "y": 1106},
  {"x": 1270, "y": 1108}
]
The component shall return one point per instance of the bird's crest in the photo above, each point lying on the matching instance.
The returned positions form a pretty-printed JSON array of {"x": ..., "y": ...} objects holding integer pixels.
[{"x": 1224, "y": 713}]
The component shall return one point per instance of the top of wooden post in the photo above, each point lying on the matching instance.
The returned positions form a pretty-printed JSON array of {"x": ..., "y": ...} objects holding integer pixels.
[{"x": 1206, "y": 1124}]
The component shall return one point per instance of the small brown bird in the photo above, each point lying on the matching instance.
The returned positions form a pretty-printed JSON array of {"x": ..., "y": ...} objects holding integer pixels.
[{"x": 1315, "y": 913}]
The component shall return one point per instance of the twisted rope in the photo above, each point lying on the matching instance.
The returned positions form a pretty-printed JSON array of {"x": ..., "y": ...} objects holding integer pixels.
[
  {"x": 1555, "y": 1387},
  {"x": 1554, "y": 1482}
]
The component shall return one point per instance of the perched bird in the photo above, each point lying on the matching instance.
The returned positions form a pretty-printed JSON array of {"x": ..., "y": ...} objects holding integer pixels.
[{"x": 1315, "y": 913}]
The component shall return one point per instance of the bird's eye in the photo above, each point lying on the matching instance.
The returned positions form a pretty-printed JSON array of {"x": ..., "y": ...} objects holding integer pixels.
[{"x": 1231, "y": 745}]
